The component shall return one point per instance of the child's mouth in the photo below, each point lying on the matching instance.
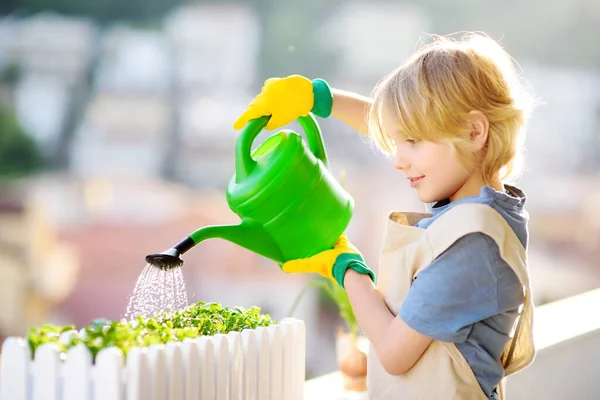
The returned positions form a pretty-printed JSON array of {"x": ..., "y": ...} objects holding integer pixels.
[{"x": 414, "y": 182}]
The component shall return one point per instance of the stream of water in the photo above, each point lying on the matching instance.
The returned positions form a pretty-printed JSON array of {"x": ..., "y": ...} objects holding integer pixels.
[{"x": 157, "y": 291}]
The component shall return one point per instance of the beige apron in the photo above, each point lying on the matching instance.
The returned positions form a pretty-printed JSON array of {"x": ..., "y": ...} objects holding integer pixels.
[{"x": 442, "y": 372}]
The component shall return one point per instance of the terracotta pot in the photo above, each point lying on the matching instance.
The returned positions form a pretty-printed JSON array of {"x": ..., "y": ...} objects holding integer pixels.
[{"x": 351, "y": 355}]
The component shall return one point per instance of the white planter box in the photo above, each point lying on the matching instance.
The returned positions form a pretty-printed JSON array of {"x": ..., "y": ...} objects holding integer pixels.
[{"x": 258, "y": 364}]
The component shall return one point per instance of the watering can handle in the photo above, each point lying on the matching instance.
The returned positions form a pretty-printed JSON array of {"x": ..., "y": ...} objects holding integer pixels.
[
  {"x": 314, "y": 137},
  {"x": 245, "y": 165}
]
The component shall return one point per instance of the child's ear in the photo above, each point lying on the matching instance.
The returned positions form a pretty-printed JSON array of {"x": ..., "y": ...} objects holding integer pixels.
[{"x": 479, "y": 126}]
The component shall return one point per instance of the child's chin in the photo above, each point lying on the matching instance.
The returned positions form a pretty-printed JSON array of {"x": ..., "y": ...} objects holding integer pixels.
[{"x": 427, "y": 198}]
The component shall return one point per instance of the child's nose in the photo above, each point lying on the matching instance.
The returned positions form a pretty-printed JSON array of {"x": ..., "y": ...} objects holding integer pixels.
[{"x": 401, "y": 161}]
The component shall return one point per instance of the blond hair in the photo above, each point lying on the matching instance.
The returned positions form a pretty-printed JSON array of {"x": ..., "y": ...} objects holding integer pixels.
[{"x": 432, "y": 93}]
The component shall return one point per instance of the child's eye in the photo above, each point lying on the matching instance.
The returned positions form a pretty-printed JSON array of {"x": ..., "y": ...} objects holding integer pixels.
[{"x": 411, "y": 141}]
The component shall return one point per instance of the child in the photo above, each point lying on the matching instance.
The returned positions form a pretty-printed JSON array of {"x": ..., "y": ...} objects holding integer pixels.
[{"x": 451, "y": 314}]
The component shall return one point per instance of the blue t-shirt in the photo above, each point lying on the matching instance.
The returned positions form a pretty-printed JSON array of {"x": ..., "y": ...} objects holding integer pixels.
[{"x": 469, "y": 295}]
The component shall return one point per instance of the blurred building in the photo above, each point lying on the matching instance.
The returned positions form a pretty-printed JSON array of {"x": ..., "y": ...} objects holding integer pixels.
[
  {"x": 215, "y": 49},
  {"x": 53, "y": 54},
  {"x": 125, "y": 128},
  {"x": 37, "y": 269},
  {"x": 51, "y": 44},
  {"x": 563, "y": 136},
  {"x": 121, "y": 135},
  {"x": 133, "y": 60}
]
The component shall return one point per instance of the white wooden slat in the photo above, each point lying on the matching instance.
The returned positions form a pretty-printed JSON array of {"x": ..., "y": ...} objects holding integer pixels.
[
  {"x": 222, "y": 366},
  {"x": 276, "y": 344},
  {"x": 264, "y": 363},
  {"x": 15, "y": 364},
  {"x": 250, "y": 364},
  {"x": 138, "y": 379},
  {"x": 77, "y": 374},
  {"x": 236, "y": 366},
  {"x": 157, "y": 364},
  {"x": 107, "y": 374},
  {"x": 174, "y": 371},
  {"x": 208, "y": 380},
  {"x": 191, "y": 368},
  {"x": 299, "y": 356},
  {"x": 287, "y": 379},
  {"x": 46, "y": 373}
]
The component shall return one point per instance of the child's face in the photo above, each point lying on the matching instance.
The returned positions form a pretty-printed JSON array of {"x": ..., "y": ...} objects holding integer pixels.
[{"x": 431, "y": 167}]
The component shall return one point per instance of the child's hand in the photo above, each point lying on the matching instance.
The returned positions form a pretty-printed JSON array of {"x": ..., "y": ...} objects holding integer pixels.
[
  {"x": 333, "y": 263},
  {"x": 286, "y": 99}
]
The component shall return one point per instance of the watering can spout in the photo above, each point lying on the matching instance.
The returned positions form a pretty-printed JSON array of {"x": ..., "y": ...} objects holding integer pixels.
[{"x": 247, "y": 234}]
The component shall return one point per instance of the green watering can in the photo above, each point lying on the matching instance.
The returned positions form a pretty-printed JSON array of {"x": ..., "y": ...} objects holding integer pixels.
[{"x": 289, "y": 203}]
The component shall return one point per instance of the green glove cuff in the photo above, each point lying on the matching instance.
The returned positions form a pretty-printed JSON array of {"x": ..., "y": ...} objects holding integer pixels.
[
  {"x": 323, "y": 102},
  {"x": 352, "y": 261}
]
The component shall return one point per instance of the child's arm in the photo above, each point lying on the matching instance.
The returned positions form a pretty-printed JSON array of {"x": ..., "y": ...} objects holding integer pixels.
[
  {"x": 352, "y": 109},
  {"x": 397, "y": 345}
]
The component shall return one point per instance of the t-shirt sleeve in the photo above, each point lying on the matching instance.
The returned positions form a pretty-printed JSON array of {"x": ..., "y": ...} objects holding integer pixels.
[{"x": 457, "y": 289}]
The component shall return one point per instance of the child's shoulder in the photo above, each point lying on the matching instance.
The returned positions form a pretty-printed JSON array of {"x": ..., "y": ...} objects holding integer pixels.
[{"x": 497, "y": 214}]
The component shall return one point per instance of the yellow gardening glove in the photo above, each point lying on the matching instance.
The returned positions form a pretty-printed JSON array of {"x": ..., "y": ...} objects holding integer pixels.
[
  {"x": 333, "y": 263},
  {"x": 286, "y": 99}
]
